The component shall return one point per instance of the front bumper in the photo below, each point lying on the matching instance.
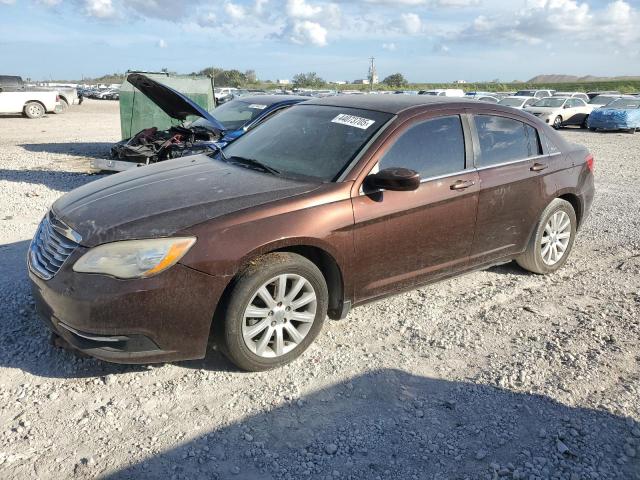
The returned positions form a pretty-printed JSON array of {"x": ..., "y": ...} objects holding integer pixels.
[{"x": 159, "y": 319}]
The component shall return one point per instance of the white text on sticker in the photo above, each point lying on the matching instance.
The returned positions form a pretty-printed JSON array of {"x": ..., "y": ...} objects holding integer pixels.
[{"x": 353, "y": 121}]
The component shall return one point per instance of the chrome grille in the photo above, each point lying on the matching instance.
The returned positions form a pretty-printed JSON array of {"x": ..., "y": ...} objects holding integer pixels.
[{"x": 51, "y": 246}]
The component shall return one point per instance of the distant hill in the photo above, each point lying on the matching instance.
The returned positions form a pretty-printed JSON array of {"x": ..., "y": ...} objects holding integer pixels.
[{"x": 576, "y": 79}]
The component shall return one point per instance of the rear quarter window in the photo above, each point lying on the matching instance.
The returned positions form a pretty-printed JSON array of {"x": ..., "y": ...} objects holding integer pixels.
[{"x": 504, "y": 139}]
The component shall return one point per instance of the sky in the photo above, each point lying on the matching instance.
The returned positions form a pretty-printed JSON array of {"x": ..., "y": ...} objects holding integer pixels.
[{"x": 426, "y": 40}]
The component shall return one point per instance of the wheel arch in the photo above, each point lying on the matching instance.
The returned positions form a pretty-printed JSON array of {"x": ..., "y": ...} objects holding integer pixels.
[
  {"x": 318, "y": 254},
  {"x": 330, "y": 270},
  {"x": 575, "y": 202},
  {"x": 34, "y": 101}
]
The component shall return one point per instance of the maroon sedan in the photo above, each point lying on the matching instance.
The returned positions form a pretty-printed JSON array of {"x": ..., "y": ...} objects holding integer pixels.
[{"x": 330, "y": 204}]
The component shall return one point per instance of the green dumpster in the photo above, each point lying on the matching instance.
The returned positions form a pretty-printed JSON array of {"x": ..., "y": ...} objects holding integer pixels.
[{"x": 137, "y": 112}]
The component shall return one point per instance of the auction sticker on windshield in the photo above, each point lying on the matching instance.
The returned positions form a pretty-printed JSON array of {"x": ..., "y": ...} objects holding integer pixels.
[
  {"x": 353, "y": 121},
  {"x": 257, "y": 106}
]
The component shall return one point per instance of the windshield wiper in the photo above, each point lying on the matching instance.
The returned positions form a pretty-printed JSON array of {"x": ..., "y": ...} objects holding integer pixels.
[{"x": 250, "y": 162}]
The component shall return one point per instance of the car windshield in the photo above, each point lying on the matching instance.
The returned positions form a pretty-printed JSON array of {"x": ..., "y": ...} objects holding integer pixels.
[
  {"x": 602, "y": 100},
  {"x": 309, "y": 140},
  {"x": 625, "y": 103},
  {"x": 234, "y": 114},
  {"x": 526, "y": 93},
  {"x": 512, "y": 102},
  {"x": 550, "y": 102}
]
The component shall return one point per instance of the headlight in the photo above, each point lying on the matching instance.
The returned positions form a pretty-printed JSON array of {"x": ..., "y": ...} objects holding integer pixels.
[{"x": 134, "y": 258}]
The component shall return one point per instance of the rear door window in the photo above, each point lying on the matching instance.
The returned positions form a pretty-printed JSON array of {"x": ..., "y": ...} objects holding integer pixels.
[
  {"x": 431, "y": 148},
  {"x": 504, "y": 140}
]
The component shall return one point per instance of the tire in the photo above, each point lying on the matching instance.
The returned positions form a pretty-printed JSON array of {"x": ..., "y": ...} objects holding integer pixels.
[
  {"x": 34, "y": 110},
  {"x": 253, "y": 351},
  {"x": 532, "y": 258},
  {"x": 585, "y": 122},
  {"x": 64, "y": 106},
  {"x": 557, "y": 123}
]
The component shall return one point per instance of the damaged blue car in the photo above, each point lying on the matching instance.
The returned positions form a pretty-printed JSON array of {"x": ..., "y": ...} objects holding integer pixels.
[
  {"x": 622, "y": 114},
  {"x": 196, "y": 130}
]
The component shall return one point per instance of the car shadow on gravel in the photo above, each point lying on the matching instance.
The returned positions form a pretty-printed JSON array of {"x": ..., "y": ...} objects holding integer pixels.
[
  {"x": 391, "y": 424},
  {"x": 511, "y": 268},
  {"x": 54, "y": 179},
  {"x": 75, "y": 149}
]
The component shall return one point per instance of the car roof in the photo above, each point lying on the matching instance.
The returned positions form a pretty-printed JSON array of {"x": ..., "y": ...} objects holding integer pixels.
[
  {"x": 393, "y": 104},
  {"x": 269, "y": 100}
]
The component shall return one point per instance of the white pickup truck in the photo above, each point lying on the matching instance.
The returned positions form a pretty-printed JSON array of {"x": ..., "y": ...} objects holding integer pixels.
[{"x": 33, "y": 104}]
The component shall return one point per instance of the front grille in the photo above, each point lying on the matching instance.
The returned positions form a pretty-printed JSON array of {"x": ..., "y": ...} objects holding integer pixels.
[{"x": 51, "y": 246}]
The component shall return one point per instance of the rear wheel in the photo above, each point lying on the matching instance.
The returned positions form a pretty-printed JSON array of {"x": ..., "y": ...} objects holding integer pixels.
[
  {"x": 34, "y": 110},
  {"x": 557, "y": 123},
  {"x": 552, "y": 240},
  {"x": 275, "y": 311}
]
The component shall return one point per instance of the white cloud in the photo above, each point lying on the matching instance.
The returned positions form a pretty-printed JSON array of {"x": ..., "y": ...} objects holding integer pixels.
[
  {"x": 234, "y": 11},
  {"x": 412, "y": 23},
  {"x": 427, "y": 3},
  {"x": 7, "y": 2},
  {"x": 259, "y": 5},
  {"x": 162, "y": 43},
  {"x": 441, "y": 48},
  {"x": 302, "y": 9},
  {"x": 391, "y": 47},
  {"x": 100, "y": 8},
  {"x": 560, "y": 20},
  {"x": 305, "y": 31}
]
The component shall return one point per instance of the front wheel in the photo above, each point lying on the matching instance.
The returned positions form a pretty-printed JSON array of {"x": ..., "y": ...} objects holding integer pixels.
[
  {"x": 552, "y": 240},
  {"x": 557, "y": 123},
  {"x": 585, "y": 122},
  {"x": 275, "y": 311}
]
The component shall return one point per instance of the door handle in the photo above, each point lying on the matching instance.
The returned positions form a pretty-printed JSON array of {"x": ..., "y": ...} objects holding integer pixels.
[
  {"x": 462, "y": 185},
  {"x": 538, "y": 167}
]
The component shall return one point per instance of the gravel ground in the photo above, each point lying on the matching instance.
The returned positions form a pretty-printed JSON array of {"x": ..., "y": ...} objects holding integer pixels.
[{"x": 494, "y": 374}]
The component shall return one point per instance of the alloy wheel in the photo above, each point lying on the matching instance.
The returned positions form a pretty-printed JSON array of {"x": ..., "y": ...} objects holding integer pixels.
[
  {"x": 555, "y": 238},
  {"x": 557, "y": 123},
  {"x": 279, "y": 316}
]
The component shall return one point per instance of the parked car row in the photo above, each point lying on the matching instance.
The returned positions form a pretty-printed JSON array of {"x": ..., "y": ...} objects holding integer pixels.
[{"x": 101, "y": 94}]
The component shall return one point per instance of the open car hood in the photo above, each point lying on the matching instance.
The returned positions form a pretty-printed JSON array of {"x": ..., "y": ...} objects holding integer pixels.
[{"x": 170, "y": 101}]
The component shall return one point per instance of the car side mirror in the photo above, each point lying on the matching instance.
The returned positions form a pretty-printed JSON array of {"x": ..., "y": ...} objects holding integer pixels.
[{"x": 393, "y": 179}]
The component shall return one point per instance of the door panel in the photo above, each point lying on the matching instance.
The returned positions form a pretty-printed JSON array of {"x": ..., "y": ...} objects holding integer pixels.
[
  {"x": 508, "y": 205},
  {"x": 511, "y": 189},
  {"x": 406, "y": 238}
]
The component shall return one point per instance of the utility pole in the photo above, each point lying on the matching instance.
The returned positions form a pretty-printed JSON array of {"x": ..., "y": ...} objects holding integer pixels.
[{"x": 373, "y": 75}]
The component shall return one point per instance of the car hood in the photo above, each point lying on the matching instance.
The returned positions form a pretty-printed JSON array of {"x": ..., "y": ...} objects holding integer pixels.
[
  {"x": 170, "y": 101},
  {"x": 164, "y": 198}
]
